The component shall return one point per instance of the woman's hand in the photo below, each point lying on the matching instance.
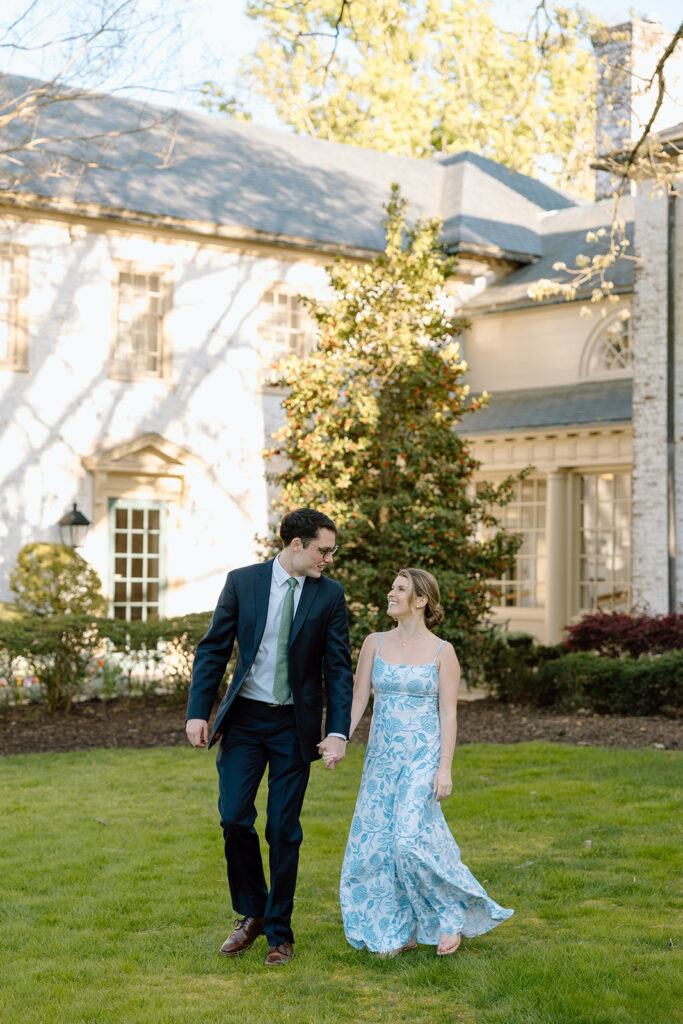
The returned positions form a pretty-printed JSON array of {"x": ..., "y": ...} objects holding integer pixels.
[{"x": 443, "y": 784}]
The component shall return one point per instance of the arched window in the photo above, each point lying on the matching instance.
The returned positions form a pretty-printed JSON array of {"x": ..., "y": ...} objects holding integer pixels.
[{"x": 609, "y": 350}]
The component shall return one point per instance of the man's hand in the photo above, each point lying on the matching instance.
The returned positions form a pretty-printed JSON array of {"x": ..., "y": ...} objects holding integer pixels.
[
  {"x": 197, "y": 731},
  {"x": 333, "y": 749}
]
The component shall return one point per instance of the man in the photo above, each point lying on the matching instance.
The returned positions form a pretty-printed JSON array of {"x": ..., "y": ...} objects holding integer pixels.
[{"x": 291, "y": 627}]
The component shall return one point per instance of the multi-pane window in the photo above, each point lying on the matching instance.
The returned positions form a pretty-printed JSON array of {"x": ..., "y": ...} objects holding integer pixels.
[
  {"x": 610, "y": 352},
  {"x": 141, "y": 303},
  {"x": 605, "y": 548},
  {"x": 524, "y": 585},
  {"x": 137, "y": 532},
  {"x": 286, "y": 329},
  {"x": 13, "y": 327}
]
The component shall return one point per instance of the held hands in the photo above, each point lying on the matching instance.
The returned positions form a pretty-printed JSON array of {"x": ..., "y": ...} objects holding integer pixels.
[
  {"x": 443, "y": 784},
  {"x": 197, "y": 731},
  {"x": 333, "y": 749}
]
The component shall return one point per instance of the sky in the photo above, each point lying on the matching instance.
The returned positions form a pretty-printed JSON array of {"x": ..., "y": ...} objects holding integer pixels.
[{"x": 205, "y": 40}]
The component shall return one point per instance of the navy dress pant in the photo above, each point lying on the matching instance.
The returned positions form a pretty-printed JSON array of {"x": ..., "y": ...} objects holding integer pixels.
[{"x": 259, "y": 735}]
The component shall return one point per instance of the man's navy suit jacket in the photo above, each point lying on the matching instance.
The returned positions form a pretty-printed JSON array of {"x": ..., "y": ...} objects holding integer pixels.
[{"x": 318, "y": 645}]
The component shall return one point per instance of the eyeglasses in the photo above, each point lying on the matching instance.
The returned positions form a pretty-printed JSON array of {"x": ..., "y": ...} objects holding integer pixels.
[{"x": 326, "y": 552}]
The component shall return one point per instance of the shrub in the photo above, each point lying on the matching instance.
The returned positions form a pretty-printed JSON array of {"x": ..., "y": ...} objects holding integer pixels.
[
  {"x": 53, "y": 579},
  {"x": 520, "y": 671},
  {"x": 52, "y": 649},
  {"x": 71, "y": 655},
  {"x": 618, "y": 686},
  {"x": 9, "y": 611},
  {"x": 163, "y": 650},
  {"x": 511, "y": 664},
  {"x": 616, "y": 633}
]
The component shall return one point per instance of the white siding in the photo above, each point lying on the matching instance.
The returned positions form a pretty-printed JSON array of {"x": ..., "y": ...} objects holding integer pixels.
[
  {"x": 66, "y": 406},
  {"x": 528, "y": 348}
]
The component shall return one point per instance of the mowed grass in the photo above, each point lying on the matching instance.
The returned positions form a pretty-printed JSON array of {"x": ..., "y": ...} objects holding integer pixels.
[{"x": 121, "y": 922}]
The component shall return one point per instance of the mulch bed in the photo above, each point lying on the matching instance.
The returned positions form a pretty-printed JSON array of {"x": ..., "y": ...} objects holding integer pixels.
[{"x": 160, "y": 723}]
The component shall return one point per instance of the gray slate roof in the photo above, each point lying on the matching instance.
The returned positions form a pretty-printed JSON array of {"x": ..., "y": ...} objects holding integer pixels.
[
  {"x": 224, "y": 172},
  {"x": 488, "y": 206},
  {"x": 236, "y": 175},
  {"x": 594, "y": 402},
  {"x": 562, "y": 237},
  {"x": 230, "y": 176}
]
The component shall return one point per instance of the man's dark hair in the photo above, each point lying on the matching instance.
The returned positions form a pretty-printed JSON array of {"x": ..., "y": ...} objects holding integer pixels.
[{"x": 304, "y": 523}]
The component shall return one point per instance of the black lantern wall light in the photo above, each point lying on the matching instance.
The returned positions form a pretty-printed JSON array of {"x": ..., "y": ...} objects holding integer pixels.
[{"x": 73, "y": 528}]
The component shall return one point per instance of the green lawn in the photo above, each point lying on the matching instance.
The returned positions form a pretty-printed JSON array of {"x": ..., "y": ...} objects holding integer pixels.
[{"x": 122, "y": 922}]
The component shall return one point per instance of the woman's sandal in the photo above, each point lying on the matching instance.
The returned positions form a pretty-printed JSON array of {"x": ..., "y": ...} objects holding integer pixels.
[
  {"x": 447, "y": 944},
  {"x": 412, "y": 944},
  {"x": 409, "y": 945}
]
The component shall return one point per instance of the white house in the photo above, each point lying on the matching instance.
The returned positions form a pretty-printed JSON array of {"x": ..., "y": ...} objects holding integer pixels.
[
  {"x": 594, "y": 405},
  {"x": 143, "y": 304}
]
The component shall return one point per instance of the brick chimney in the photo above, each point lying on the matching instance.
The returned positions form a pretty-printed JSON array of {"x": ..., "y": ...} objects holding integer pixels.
[{"x": 626, "y": 57}]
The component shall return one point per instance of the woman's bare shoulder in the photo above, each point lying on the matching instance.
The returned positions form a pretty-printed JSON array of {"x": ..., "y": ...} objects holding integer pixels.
[
  {"x": 447, "y": 650},
  {"x": 371, "y": 640}
]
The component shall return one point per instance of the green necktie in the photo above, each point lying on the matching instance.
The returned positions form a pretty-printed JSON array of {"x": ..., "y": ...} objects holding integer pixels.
[{"x": 281, "y": 688}]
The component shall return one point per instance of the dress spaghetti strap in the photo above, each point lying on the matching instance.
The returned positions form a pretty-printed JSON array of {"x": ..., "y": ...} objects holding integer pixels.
[
  {"x": 437, "y": 651},
  {"x": 379, "y": 643}
]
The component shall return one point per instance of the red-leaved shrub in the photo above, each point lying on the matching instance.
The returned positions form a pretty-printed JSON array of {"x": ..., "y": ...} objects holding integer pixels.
[{"x": 612, "y": 634}]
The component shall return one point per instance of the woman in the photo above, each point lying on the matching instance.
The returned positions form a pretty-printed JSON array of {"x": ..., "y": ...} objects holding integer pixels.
[{"x": 402, "y": 880}]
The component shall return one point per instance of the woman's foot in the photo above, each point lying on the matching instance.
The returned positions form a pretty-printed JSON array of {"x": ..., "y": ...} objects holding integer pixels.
[
  {"x": 447, "y": 944},
  {"x": 409, "y": 945},
  {"x": 412, "y": 944}
]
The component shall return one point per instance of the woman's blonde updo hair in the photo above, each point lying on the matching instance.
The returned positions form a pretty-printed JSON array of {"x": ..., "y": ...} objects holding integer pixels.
[{"x": 423, "y": 584}]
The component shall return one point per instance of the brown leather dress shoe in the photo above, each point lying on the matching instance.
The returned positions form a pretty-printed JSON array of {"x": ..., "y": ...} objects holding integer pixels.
[
  {"x": 247, "y": 929},
  {"x": 280, "y": 954}
]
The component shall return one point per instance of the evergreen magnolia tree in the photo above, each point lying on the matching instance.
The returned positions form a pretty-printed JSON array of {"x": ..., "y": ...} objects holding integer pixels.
[{"x": 370, "y": 436}]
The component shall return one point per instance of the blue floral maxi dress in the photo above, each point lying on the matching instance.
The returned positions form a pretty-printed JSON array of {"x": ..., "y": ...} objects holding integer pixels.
[{"x": 402, "y": 873}]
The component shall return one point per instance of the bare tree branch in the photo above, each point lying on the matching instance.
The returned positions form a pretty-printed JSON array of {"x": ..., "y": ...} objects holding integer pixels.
[
  {"x": 661, "y": 91},
  {"x": 345, "y": 5},
  {"x": 648, "y": 157},
  {"x": 46, "y": 124}
]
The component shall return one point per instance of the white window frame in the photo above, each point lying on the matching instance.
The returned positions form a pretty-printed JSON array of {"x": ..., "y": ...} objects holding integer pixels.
[
  {"x": 299, "y": 337},
  {"x": 598, "y": 555},
  {"x": 135, "y": 560},
  {"x": 598, "y": 341},
  {"x": 533, "y": 531},
  {"x": 124, "y": 358}
]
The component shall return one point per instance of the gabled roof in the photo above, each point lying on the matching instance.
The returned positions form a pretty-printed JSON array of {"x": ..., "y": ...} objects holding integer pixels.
[
  {"x": 489, "y": 208},
  {"x": 268, "y": 184},
  {"x": 562, "y": 236},
  {"x": 151, "y": 454}
]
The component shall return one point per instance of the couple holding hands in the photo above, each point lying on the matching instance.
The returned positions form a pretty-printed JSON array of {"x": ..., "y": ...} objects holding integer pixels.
[{"x": 402, "y": 878}]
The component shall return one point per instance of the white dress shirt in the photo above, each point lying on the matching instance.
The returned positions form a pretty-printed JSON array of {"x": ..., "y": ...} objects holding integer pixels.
[{"x": 258, "y": 683}]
